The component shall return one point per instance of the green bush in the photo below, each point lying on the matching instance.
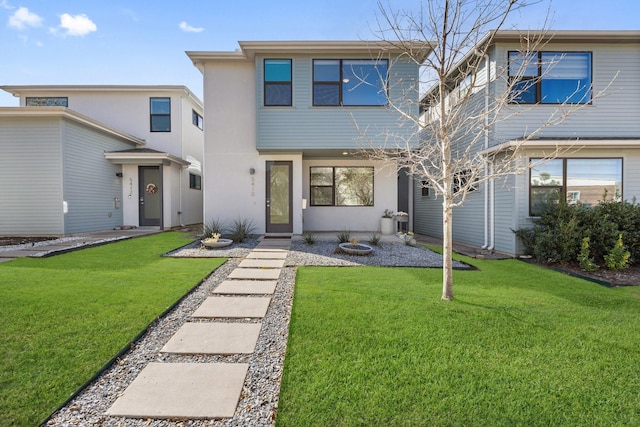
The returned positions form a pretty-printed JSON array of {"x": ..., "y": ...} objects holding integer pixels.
[
  {"x": 586, "y": 262},
  {"x": 344, "y": 236},
  {"x": 240, "y": 229},
  {"x": 557, "y": 234},
  {"x": 618, "y": 258}
]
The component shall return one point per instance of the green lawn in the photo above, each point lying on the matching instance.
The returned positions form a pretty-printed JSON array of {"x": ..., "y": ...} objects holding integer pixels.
[
  {"x": 64, "y": 317},
  {"x": 519, "y": 346}
]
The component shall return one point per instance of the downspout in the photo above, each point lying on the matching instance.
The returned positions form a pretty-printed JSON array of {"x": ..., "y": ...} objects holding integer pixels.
[
  {"x": 486, "y": 146},
  {"x": 492, "y": 185}
]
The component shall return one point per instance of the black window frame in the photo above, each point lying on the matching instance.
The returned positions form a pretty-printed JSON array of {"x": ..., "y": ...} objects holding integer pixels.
[
  {"x": 266, "y": 83},
  {"x": 152, "y": 115},
  {"x": 333, "y": 186},
  {"x": 340, "y": 83},
  {"x": 197, "y": 119},
  {"x": 562, "y": 188},
  {"x": 195, "y": 181},
  {"x": 539, "y": 78},
  {"x": 424, "y": 188}
]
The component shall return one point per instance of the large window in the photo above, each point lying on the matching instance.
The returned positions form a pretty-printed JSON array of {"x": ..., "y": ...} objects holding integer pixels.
[
  {"x": 341, "y": 186},
  {"x": 160, "y": 114},
  {"x": 277, "y": 82},
  {"x": 574, "y": 180},
  {"x": 349, "y": 82},
  {"x": 550, "y": 77},
  {"x": 196, "y": 119}
]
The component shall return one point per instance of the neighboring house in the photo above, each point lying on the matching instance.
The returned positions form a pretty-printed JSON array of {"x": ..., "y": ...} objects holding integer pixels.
[
  {"x": 601, "y": 140},
  {"x": 284, "y": 125},
  {"x": 87, "y": 158}
]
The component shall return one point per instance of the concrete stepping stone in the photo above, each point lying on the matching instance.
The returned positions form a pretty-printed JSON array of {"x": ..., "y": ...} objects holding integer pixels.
[
  {"x": 246, "y": 287},
  {"x": 261, "y": 263},
  {"x": 234, "y": 307},
  {"x": 259, "y": 254},
  {"x": 214, "y": 338},
  {"x": 183, "y": 390},
  {"x": 255, "y": 273}
]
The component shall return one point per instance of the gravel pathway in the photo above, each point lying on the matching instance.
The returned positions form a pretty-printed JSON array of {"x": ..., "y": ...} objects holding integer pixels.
[{"x": 259, "y": 398}]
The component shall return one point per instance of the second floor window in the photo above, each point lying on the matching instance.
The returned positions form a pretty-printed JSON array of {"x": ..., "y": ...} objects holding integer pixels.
[
  {"x": 277, "y": 82},
  {"x": 550, "y": 77},
  {"x": 49, "y": 101},
  {"x": 351, "y": 82},
  {"x": 160, "y": 114},
  {"x": 196, "y": 119}
]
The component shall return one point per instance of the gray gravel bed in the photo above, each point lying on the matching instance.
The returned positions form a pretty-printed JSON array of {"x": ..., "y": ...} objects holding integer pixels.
[{"x": 196, "y": 250}]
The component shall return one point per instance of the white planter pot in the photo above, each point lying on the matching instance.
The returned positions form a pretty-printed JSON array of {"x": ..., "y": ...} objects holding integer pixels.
[{"x": 386, "y": 226}]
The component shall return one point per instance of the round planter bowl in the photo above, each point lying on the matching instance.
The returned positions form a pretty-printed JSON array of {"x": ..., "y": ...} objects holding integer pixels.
[
  {"x": 359, "y": 249},
  {"x": 221, "y": 243}
]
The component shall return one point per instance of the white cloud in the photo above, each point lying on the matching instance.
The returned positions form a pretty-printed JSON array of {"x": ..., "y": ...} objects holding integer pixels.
[
  {"x": 189, "y": 29},
  {"x": 77, "y": 25},
  {"x": 22, "y": 18},
  {"x": 5, "y": 5}
]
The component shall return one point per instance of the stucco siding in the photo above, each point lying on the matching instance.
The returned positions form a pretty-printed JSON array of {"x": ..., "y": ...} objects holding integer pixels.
[
  {"x": 30, "y": 176},
  {"x": 90, "y": 182},
  {"x": 303, "y": 126}
]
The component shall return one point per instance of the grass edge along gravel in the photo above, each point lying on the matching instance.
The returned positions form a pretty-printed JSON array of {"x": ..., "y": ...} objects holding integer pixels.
[
  {"x": 520, "y": 345},
  {"x": 64, "y": 317}
]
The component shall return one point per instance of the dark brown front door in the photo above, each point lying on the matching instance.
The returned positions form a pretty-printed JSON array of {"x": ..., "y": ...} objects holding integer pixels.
[
  {"x": 279, "y": 195},
  {"x": 150, "y": 200}
]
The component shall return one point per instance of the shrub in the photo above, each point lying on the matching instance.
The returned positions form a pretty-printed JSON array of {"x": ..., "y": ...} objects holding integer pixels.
[
  {"x": 214, "y": 226},
  {"x": 309, "y": 238},
  {"x": 374, "y": 239},
  {"x": 586, "y": 263},
  {"x": 618, "y": 258},
  {"x": 240, "y": 229},
  {"x": 344, "y": 236}
]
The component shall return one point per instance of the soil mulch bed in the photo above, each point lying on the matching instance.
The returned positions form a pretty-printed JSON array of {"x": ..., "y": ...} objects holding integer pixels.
[
  {"x": 628, "y": 277},
  {"x": 21, "y": 240}
]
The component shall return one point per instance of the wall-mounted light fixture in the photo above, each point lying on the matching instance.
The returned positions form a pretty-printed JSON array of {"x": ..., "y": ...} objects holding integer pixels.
[
  {"x": 252, "y": 171},
  {"x": 119, "y": 174}
]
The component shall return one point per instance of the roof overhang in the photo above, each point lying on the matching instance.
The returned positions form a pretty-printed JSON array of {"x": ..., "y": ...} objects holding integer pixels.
[
  {"x": 65, "y": 113},
  {"x": 249, "y": 49},
  {"x": 564, "y": 144},
  {"x": 156, "y": 158}
]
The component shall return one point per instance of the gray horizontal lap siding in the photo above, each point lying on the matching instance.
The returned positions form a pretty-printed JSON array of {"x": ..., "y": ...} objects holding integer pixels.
[
  {"x": 304, "y": 126},
  {"x": 90, "y": 182},
  {"x": 30, "y": 176}
]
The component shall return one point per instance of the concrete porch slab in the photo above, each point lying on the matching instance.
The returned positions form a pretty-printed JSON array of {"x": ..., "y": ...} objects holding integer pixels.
[
  {"x": 259, "y": 254},
  {"x": 255, "y": 273},
  {"x": 270, "y": 249},
  {"x": 183, "y": 390},
  {"x": 246, "y": 287},
  {"x": 233, "y": 307},
  {"x": 261, "y": 263},
  {"x": 214, "y": 338}
]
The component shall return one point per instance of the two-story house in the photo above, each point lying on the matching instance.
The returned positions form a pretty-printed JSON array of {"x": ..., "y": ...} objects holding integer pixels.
[
  {"x": 599, "y": 142},
  {"x": 87, "y": 158},
  {"x": 286, "y": 124}
]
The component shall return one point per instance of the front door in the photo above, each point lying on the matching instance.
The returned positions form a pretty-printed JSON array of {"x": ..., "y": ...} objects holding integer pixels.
[
  {"x": 279, "y": 195},
  {"x": 150, "y": 202}
]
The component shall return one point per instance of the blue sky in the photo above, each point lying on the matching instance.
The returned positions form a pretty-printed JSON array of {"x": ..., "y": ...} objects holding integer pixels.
[{"x": 44, "y": 42}]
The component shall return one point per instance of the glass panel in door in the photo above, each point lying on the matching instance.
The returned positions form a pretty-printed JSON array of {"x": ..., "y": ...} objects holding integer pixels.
[{"x": 279, "y": 194}]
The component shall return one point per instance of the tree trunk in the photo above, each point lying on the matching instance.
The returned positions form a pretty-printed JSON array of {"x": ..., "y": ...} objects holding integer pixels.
[{"x": 447, "y": 251}]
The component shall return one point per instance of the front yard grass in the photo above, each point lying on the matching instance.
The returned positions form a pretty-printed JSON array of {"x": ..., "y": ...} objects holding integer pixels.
[
  {"x": 64, "y": 317},
  {"x": 520, "y": 345}
]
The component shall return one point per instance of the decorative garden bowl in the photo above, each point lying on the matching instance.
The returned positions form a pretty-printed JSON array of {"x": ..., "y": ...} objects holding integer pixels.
[
  {"x": 359, "y": 249},
  {"x": 215, "y": 244}
]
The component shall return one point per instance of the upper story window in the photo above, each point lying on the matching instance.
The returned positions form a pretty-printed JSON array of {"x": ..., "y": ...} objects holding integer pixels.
[
  {"x": 160, "y": 114},
  {"x": 47, "y": 101},
  {"x": 550, "y": 77},
  {"x": 277, "y": 82},
  {"x": 351, "y": 82},
  {"x": 574, "y": 180},
  {"x": 196, "y": 119}
]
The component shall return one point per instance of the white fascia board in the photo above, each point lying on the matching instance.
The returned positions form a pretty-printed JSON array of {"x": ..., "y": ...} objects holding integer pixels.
[{"x": 154, "y": 158}]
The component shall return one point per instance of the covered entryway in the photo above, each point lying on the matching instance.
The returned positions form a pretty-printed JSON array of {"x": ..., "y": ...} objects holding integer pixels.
[{"x": 279, "y": 195}]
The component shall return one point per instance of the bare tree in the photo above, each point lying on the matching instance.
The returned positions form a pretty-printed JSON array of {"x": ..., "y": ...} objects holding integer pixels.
[{"x": 468, "y": 95}]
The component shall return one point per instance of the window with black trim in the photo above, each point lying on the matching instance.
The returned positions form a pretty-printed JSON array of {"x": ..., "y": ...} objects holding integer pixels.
[
  {"x": 349, "y": 82},
  {"x": 424, "y": 188},
  {"x": 47, "y": 101},
  {"x": 277, "y": 82},
  {"x": 550, "y": 77},
  {"x": 584, "y": 180},
  {"x": 196, "y": 119},
  {"x": 160, "y": 109},
  {"x": 195, "y": 181},
  {"x": 341, "y": 186}
]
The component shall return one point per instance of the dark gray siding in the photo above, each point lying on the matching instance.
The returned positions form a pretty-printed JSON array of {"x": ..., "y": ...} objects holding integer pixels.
[{"x": 30, "y": 176}]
